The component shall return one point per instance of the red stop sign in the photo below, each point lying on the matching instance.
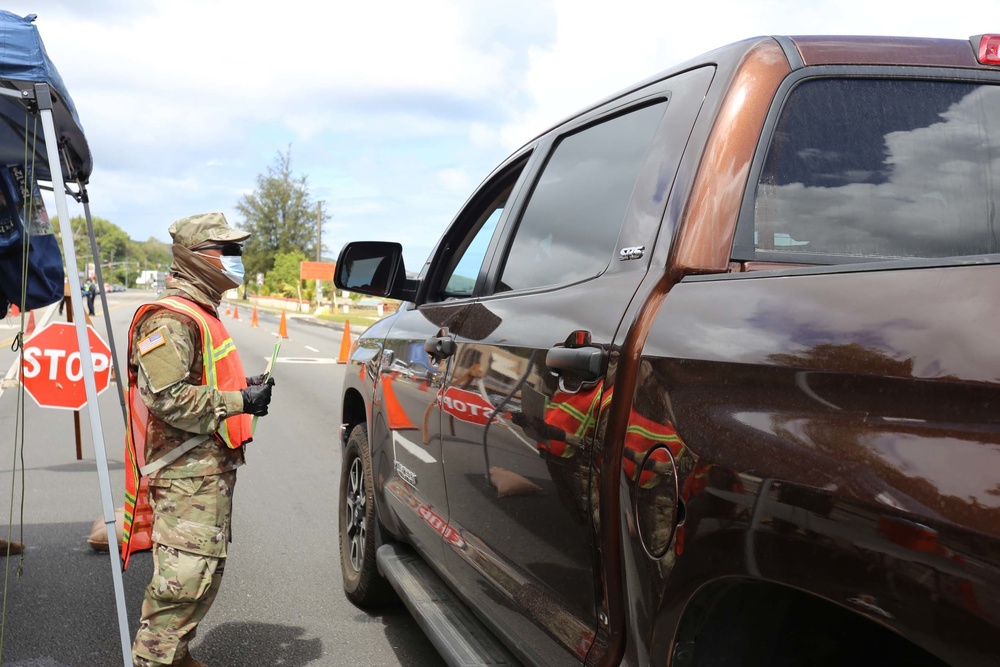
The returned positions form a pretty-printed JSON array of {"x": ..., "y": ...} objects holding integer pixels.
[{"x": 52, "y": 371}]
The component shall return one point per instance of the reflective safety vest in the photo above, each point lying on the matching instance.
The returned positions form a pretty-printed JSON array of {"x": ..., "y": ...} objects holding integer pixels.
[
  {"x": 221, "y": 369},
  {"x": 575, "y": 415},
  {"x": 642, "y": 436}
]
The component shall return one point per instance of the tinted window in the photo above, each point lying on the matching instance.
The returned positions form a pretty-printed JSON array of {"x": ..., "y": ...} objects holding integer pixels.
[
  {"x": 882, "y": 168},
  {"x": 570, "y": 226}
]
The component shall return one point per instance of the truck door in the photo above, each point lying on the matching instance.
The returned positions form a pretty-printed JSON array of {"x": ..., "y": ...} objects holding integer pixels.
[
  {"x": 527, "y": 377},
  {"x": 416, "y": 362}
]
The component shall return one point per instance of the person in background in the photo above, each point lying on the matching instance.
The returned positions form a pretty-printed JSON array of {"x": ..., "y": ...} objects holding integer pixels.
[
  {"x": 190, "y": 412},
  {"x": 90, "y": 291},
  {"x": 65, "y": 299}
]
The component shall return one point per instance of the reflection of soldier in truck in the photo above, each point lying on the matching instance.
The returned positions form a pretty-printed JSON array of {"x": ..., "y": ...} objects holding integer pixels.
[{"x": 563, "y": 425}]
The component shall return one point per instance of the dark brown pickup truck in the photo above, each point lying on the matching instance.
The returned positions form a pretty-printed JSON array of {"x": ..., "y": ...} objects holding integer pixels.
[{"x": 708, "y": 374}]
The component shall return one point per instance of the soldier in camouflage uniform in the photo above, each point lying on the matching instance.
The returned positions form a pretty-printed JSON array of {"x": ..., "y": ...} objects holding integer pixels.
[{"x": 191, "y": 497}]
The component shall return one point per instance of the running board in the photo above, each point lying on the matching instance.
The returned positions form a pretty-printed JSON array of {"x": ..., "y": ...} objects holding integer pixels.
[{"x": 460, "y": 637}]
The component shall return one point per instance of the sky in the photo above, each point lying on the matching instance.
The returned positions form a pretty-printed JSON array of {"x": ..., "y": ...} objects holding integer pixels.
[{"x": 394, "y": 111}]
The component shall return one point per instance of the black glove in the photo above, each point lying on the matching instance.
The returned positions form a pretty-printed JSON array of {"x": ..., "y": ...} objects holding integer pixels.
[
  {"x": 258, "y": 380},
  {"x": 256, "y": 399}
]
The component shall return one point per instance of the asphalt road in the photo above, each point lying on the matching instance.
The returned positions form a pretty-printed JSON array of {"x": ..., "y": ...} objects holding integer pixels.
[{"x": 281, "y": 601}]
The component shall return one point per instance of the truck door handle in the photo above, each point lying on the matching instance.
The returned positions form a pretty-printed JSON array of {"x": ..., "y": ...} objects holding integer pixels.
[
  {"x": 440, "y": 346},
  {"x": 581, "y": 362}
]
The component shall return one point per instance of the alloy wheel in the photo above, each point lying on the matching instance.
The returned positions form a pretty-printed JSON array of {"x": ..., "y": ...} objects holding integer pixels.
[{"x": 356, "y": 502}]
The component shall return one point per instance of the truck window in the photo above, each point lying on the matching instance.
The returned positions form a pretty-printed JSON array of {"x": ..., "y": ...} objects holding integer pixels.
[
  {"x": 571, "y": 223},
  {"x": 881, "y": 168},
  {"x": 466, "y": 246},
  {"x": 462, "y": 280}
]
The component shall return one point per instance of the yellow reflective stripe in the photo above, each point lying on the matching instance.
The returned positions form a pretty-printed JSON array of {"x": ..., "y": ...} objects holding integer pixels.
[
  {"x": 653, "y": 435},
  {"x": 584, "y": 419},
  {"x": 571, "y": 410},
  {"x": 208, "y": 361},
  {"x": 581, "y": 418},
  {"x": 657, "y": 437},
  {"x": 227, "y": 347},
  {"x": 210, "y": 354},
  {"x": 219, "y": 353}
]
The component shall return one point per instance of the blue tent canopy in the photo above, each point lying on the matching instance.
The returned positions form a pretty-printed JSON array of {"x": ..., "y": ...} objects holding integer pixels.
[{"x": 24, "y": 63}]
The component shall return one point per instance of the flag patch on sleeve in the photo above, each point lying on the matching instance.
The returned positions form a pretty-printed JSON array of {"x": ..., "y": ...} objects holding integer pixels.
[{"x": 151, "y": 342}]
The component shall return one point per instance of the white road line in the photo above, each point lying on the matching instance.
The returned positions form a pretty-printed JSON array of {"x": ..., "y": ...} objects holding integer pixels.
[
  {"x": 412, "y": 448},
  {"x": 311, "y": 349}
]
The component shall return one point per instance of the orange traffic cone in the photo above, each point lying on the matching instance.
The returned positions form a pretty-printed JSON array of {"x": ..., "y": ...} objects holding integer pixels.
[
  {"x": 236, "y": 312},
  {"x": 30, "y": 329},
  {"x": 253, "y": 318},
  {"x": 283, "y": 326},
  {"x": 228, "y": 311},
  {"x": 394, "y": 412},
  {"x": 14, "y": 310},
  {"x": 345, "y": 344}
]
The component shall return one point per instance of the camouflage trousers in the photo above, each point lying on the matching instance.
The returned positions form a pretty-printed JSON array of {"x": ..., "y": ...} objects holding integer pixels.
[{"x": 191, "y": 518}]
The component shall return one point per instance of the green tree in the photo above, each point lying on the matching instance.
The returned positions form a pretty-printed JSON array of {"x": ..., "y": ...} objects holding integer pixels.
[
  {"x": 284, "y": 277},
  {"x": 120, "y": 257},
  {"x": 112, "y": 244},
  {"x": 152, "y": 254},
  {"x": 280, "y": 215}
]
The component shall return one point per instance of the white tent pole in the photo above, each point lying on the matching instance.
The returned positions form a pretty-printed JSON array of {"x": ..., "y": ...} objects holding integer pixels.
[{"x": 43, "y": 98}]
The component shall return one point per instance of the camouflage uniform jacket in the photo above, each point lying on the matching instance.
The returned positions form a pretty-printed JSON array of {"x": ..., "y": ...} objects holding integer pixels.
[{"x": 187, "y": 407}]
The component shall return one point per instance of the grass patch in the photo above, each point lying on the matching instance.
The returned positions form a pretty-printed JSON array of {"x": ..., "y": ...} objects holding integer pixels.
[{"x": 362, "y": 318}]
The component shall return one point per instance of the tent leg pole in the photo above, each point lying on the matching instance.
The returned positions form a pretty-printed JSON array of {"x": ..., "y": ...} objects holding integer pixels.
[
  {"x": 119, "y": 378},
  {"x": 43, "y": 98}
]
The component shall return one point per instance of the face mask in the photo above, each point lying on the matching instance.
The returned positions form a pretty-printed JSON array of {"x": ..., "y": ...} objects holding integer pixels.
[{"x": 232, "y": 267}]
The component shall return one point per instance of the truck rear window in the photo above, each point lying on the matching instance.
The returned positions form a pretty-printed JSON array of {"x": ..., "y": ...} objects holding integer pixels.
[{"x": 882, "y": 168}]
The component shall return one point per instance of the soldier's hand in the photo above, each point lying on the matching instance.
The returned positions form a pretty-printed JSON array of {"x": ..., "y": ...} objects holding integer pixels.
[
  {"x": 256, "y": 399},
  {"x": 258, "y": 380}
]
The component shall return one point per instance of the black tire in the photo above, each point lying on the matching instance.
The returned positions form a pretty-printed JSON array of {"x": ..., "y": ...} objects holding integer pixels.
[{"x": 359, "y": 532}]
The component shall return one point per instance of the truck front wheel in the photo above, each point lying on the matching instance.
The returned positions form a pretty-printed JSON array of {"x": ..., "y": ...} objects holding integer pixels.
[{"x": 363, "y": 584}]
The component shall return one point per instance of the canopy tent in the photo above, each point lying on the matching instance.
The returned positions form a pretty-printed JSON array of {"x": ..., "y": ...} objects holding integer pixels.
[
  {"x": 24, "y": 63},
  {"x": 40, "y": 129}
]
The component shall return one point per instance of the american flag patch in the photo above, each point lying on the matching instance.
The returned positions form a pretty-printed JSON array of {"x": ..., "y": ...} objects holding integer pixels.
[{"x": 151, "y": 342}]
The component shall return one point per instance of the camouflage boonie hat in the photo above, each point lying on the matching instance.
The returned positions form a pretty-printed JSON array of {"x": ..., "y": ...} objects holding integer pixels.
[{"x": 195, "y": 230}]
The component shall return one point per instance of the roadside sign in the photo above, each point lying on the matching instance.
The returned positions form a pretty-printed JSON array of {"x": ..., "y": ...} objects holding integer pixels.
[
  {"x": 317, "y": 271},
  {"x": 53, "y": 373}
]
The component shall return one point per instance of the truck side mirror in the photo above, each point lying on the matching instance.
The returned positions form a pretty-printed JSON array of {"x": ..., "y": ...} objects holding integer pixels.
[{"x": 374, "y": 268}]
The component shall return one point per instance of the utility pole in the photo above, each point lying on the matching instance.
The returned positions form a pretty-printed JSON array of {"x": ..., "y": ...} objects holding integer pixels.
[
  {"x": 319, "y": 250},
  {"x": 319, "y": 231}
]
